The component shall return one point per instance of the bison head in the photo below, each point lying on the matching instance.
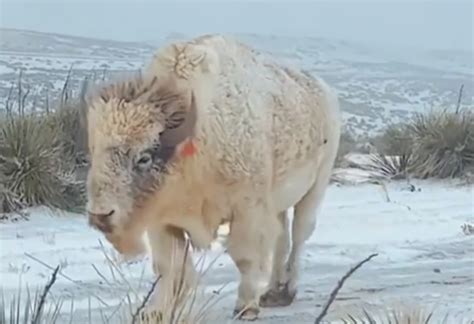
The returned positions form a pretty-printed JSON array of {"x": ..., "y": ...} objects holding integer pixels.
[{"x": 134, "y": 130}]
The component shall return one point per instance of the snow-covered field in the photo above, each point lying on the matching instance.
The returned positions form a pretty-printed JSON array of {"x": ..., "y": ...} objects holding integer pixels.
[{"x": 424, "y": 258}]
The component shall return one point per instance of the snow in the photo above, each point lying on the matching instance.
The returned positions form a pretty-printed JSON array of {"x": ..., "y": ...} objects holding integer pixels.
[
  {"x": 424, "y": 257},
  {"x": 64, "y": 63},
  {"x": 6, "y": 69}
]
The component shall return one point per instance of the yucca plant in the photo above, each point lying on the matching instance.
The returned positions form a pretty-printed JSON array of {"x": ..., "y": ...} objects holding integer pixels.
[
  {"x": 443, "y": 144},
  {"x": 38, "y": 153},
  {"x": 437, "y": 144},
  {"x": 395, "y": 140},
  {"x": 394, "y": 151},
  {"x": 393, "y": 167},
  {"x": 34, "y": 168},
  {"x": 9, "y": 201}
]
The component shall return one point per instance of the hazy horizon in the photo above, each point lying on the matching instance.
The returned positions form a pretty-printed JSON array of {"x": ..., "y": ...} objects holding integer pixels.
[{"x": 434, "y": 24}]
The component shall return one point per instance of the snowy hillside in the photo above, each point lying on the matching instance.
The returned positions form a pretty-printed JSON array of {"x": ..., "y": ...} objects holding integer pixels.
[{"x": 376, "y": 85}]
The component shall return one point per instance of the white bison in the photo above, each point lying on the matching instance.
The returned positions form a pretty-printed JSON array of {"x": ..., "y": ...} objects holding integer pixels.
[{"x": 213, "y": 131}]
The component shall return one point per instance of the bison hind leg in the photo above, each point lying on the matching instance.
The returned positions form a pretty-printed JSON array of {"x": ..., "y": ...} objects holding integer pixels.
[
  {"x": 283, "y": 284},
  {"x": 278, "y": 294}
]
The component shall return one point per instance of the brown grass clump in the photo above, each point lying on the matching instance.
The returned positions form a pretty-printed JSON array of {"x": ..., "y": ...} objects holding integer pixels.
[
  {"x": 443, "y": 144},
  {"x": 38, "y": 156},
  {"x": 438, "y": 144},
  {"x": 347, "y": 144},
  {"x": 34, "y": 169},
  {"x": 403, "y": 314}
]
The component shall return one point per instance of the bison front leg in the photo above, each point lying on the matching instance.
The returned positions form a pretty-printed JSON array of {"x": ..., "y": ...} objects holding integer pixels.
[
  {"x": 252, "y": 233},
  {"x": 173, "y": 264}
]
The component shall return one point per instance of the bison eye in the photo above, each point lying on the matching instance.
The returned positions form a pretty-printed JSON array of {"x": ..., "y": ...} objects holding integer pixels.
[{"x": 144, "y": 161}]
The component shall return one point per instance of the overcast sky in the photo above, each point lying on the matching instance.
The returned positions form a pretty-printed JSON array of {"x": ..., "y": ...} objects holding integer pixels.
[{"x": 444, "y": 24}]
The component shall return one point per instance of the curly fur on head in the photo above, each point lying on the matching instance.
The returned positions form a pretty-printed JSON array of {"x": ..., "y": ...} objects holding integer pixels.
[{"x": 135, "y": 102}]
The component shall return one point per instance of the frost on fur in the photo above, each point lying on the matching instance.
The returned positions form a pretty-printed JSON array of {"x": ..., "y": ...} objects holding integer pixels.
[{"x": 213, "y": 132}]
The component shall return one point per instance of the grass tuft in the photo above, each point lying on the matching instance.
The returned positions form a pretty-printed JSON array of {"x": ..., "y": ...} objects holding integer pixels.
[
  {"x": 30, "y": 309},
  {"x": 403, "y": 314},
  {"x": 443, "y": 144},
  {"x": 346, "y": 144},
  {"x": 189, "y": 306},
  {"x": 438, "y": 144},
  {"x": 40, "y": 153},
  {"x": 35, "y": 168}
]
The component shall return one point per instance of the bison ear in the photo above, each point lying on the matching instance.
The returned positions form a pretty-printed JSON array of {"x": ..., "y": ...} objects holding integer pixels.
[{"x": 180, "y": 120}]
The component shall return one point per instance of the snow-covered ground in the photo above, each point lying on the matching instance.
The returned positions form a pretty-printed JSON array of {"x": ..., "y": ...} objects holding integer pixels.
[
  {"x": 376, "y": 85},
  {"x": 424, "y": 258}
]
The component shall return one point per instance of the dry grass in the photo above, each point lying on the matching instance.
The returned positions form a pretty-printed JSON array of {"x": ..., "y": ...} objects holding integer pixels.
[
  {"x": 339, "y": 285},
  {"x": 438, "y": 144},
  {"x": 191, "y": 306},
  {"x": 68, "y": 118},
  {"x": 347, "y": 144},
  {"x": 34, "y": 169},
  {"x": 32, "y": 309},
  {"x": 395, "y": 140},
  {"x": 39, "y": 155},
  {"x": 443, "y": 144},
  {"x": 403, "y": 313}
]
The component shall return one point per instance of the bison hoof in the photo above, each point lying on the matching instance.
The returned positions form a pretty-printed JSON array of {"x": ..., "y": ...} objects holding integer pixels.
[
  {"x": 277, "y": 297},
  {"x": 246, "y": 314}
]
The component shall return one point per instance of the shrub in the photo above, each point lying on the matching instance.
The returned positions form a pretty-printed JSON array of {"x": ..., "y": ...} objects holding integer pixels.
[
  {"x": 437, "y": 144},
  {"x": 396, "y": 140},
  {"x": 9, "y": 201},
  {"x": 40, "y": 153},
  {"x": 346, "y": 145},
  {"x": 35, "y": 169},
  {"x": 443, "y": 144},
  {"x": 68, "y": 119}
]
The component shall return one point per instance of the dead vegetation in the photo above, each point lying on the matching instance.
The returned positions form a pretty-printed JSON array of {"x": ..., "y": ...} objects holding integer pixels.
[
  {"x": 40, "y": 153},
  {"x": 467, "y": 229},
  {"x": 46, "y": 306},
  {"x": 438, "y": 144}
]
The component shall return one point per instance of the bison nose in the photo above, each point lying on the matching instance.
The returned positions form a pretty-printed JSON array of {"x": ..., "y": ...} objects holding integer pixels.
[
  {"x": 101, "y": 220},
  {"x": 101, "y": 215}
]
